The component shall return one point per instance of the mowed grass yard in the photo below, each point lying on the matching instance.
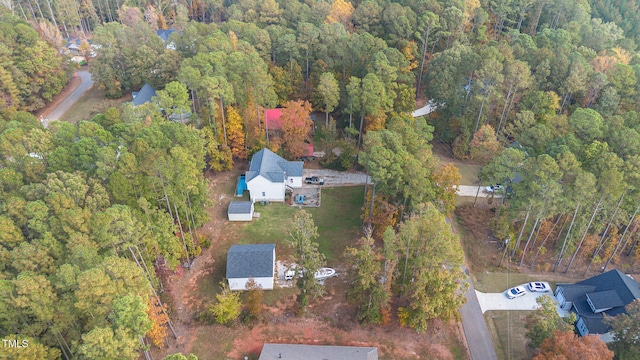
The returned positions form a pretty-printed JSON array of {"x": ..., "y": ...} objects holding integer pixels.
[
  {"x": 338, "y": 221},
  {"x": 90, "y": 104}
]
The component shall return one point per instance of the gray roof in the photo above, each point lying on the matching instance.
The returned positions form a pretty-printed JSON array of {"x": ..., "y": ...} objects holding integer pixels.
[
  {"x": 164, "y": 34},
  {"x": 605, "y": 299},
  {"x": 602, "y": 288},
  {"x": 573, "y": 292},
  {"x": 240, "y": 207},
  {"x": 317, "y": 352},
  {"x": 272, "y": 166},
  {"x": 144, "y": 95},
  {"x": 627, "y": 288},
  {"x": 255, "y": 260}
]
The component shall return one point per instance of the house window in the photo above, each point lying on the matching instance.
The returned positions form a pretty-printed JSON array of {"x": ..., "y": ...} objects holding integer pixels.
[{"x": 263, "y": 194}]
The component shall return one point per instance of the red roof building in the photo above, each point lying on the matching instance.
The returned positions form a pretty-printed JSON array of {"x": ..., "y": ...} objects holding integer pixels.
[{"x": 272, "y": 119}]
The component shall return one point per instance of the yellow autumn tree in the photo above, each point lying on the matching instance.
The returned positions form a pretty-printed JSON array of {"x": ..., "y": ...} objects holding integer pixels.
[
  {"x": 375, "y": 122},
  {"x": 341, "y": 12},
  {"x": 159, "y": 319},
  {"x": 235, "y": 133}
]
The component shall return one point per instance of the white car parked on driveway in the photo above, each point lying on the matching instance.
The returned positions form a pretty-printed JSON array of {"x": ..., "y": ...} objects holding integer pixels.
[
  {"x": 515, "y": 292},
  {"x": 539, "y": 286}
]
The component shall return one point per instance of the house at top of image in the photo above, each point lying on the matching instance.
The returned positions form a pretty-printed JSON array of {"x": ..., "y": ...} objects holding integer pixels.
[
  {"x": 270, "y": 175},
  {"x": 253, "y": 261},
  {"x": 317, "y": 352},
  {"x": 591, "y": 299}
]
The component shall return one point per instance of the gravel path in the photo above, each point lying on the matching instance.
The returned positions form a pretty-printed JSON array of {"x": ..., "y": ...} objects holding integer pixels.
[{"x": 336, "y": 178}]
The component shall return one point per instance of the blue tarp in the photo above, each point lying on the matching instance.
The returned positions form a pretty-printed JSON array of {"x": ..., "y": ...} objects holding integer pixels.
[{"x": 242, "y": 185}]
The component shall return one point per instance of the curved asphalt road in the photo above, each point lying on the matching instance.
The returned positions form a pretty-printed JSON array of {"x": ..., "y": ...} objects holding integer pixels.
[{"x": 85, "y": 83}]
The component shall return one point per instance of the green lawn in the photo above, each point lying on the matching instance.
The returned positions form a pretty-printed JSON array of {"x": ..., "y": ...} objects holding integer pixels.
[
  {"x": 507, "y": 332},
  {"x": 91, "y": 103},
  {"x": 469, "y": 173},
  {"x": 338, "y": 221}
]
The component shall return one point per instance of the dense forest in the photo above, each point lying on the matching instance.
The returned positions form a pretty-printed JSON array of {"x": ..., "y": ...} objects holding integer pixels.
[
  {"x": 92, "y": 219},
  {"x": 539, "y": 91}
]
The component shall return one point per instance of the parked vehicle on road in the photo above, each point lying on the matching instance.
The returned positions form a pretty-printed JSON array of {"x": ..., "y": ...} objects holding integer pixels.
[
  {"x": 314, "y": 180},
  {"x": 494, "y": 188},
  {"x": 539, "y": 287},
  {"x": 516, "y": 292}
]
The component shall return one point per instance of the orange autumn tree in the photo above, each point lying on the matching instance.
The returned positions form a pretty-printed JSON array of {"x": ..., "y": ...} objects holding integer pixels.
[
  {"x": 159, "y": 321},
  {"x": 566, "y": 345},
  {"x": 296, "y": 128},
  {"x": 485, "y": 146}
]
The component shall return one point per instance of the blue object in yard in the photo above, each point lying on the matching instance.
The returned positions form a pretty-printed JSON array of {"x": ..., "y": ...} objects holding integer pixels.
[
  {"x": 242, "y": 186},
  {"x": 299, "y": 199}
]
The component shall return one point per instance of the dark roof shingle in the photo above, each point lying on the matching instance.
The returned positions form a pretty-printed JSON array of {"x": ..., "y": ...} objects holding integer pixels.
[
  {"x": 254, "y": 260},
  {"x": 317, "y": 352},
  {"x": 144, "y": 95},
  {"x": 240, "y": 207}
]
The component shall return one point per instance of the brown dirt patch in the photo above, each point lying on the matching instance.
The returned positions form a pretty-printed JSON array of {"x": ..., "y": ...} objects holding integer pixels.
[{"x": 72, "y": 85}]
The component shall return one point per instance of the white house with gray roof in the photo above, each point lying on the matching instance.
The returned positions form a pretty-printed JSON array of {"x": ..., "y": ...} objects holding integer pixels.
[
  {"x": 257, "y": 261},
  {"x": 269, "y": 175},
  {"x": 240, "y": 211},
  {"x": 317, "y": 352}
]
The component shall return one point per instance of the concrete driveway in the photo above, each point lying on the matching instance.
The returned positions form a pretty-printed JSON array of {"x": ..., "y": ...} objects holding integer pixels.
[{"x": 500, "y": 301}]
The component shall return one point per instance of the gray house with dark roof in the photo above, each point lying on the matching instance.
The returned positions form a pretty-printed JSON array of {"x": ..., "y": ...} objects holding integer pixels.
[
  {"x": 317, "y": 352},
  {"x": 146, "y": 93},
  {"x": 270, "y": 175},
  {"x": 257, "y": 261},
  {"x": 593, "y": 298}
]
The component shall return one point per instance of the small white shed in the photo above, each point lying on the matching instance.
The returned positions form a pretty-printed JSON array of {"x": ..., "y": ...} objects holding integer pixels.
[
  {"x": 240, "y": 211},
  {"x": 257, "y": 261}
]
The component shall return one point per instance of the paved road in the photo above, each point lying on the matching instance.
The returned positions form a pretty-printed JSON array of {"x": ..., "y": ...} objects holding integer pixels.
[
  {"x": 425, "y": 110},
  {"x": 475, "y": 328},
  {"x": 67, "y": 103}
]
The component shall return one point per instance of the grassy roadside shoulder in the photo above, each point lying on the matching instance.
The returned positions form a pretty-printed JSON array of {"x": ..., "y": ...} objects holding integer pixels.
[{"x": 91, "y": 103}]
